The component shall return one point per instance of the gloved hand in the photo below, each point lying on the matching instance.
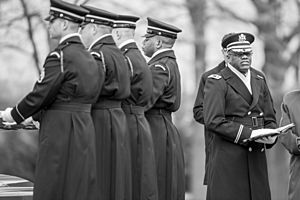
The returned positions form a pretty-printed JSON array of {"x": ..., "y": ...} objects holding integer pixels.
[
  {"x": 6, "y": 115},
  {"x": 267, "y": 140},
  {"x": 28, "y": 121}
]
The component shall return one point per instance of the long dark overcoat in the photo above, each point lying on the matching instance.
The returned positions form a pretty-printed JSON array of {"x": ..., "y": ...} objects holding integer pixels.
[
  {"x": 143, "y": 169},
  {"x": 65, "y": 168},
  {"x": 237, "y": 170},
  {"x": 198, "y": 112},
  {"x": 291, "y": 140},
  {"x": 112, "y": 140},
  {"x": 165, "y": 99}
]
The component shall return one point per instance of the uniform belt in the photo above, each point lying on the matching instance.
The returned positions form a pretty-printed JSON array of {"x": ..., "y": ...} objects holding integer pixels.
[
  {"x": 106, "y": 103},
  {"x": 71, "y": 106},
  {"x": 157, "y": 111},
  {"x": 131, "y": 109},
  {"x": 251, "y": 122}
]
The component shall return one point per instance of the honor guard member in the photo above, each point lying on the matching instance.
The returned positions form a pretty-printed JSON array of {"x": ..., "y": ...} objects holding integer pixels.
[
  {"x": 112, "y": 143},
  {"x": 198, "y": 106},
  {"x": 165, "y": 100},
  {"x": 65, "y": 168},
  {"x": 144, "y": 181},
  {"x": 238, "y": 106},
  {"x": 291, "y": 140}
]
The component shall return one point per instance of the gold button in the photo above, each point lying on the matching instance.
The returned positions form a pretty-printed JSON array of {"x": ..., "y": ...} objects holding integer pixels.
[
  {"x": 250, "y": 149},
  {"x": 262, "y": 150},
  {"x": 249, "y": 113}
]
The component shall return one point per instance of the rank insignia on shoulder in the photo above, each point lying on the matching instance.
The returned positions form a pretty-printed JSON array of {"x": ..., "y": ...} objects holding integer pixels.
[
  {"x": 160, "y": 66},
  {"x": 215, "y": 76},
  {"x": 55, "y": 54},
  {"x": 261, "y": 77}
]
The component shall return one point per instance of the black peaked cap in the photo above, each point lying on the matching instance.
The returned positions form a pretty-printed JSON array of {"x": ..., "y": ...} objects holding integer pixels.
[
  {"x": 99, "y": 16},
  {"x": 156, "y": 27},
  {"x": 126, "y": 21},
  {"x": 65, "y": 10}
]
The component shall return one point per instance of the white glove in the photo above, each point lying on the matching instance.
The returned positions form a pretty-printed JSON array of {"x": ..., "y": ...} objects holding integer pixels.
[
  {"x": 28, "y": 121},
  {"x": 267, "y": 140},
  {"x": 6, "y": 115}
]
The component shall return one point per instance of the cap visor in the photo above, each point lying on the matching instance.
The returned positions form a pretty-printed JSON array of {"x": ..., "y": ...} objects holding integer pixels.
[
  {"x": 47, "y": 18},
  {"x": 148, "y": 35}
]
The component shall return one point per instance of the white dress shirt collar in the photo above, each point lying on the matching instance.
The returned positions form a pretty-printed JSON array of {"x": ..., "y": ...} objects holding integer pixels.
[{"x": 246, "y": 78}]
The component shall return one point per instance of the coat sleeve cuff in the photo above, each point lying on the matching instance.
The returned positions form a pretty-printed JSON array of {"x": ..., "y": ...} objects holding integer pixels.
[
  {"x": 242, "y": 134},
  {"x": 16, "y": 115}
]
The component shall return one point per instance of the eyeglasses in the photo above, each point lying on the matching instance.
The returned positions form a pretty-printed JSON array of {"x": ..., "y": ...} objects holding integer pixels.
[{"x": 241, "y": 54}]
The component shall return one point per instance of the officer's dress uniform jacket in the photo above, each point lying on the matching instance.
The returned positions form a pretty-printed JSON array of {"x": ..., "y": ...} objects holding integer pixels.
[
  {"x": 198, "y": 112},
  {"x": 291, "y": 140},
  {"x": 144, "y": 181},
  {"x": 65, "y": 168},
  {"x": 237, "y": 170},
  {"x": 165, "y": 99},
  {"x": 112, "y": 151}
]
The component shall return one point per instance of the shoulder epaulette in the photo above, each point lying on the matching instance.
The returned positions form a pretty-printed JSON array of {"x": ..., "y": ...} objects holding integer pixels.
[
  {"x": 215, "y": 76},
  {"x": 60, "y": 56},
  {"x": 261, "y": 77},
  {"x": 160, "y": 66},
  {"x": 99, "y": 55},
  {"x": 55, "y": 53},
  {"x": 96, "y": 54}
]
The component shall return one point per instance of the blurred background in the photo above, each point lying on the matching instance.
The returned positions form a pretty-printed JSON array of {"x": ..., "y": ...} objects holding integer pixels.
[{"x": 24, "y": 44}]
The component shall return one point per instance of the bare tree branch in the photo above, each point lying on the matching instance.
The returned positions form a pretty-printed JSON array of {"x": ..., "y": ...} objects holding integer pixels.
[
  {"x": 231, "y": 13},
  {"x": 3, "y": 46},
  {"x": 30, "y": 35},
  {"x": 19, "y": 18}
]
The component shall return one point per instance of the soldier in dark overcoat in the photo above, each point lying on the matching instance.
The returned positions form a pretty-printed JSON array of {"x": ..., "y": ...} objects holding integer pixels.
[
  {"x": 238, "y": 106},
  {"x": 291, "y": 140},
  {"x": 144, "y": 180},
  {"x": 198, "y": 106},
  {"x": 112, "y": 140},
  {"x": 66, "y": 164},
  {"x": 165, "y": 100}
]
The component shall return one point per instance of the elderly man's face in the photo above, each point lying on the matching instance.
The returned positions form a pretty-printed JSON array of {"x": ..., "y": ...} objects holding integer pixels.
[
  {"x": 55, "y": 28},
  {"x": 149, "y": 46},
  {"x": 240, "y": 60}
]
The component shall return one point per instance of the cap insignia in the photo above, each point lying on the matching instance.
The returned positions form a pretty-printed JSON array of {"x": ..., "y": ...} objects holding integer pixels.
[
  {"x": 242, "y": 37},
  {"x": 214, "y": 76}
]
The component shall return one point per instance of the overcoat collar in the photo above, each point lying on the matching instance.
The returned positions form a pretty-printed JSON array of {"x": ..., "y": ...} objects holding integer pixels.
[
  {"x": 168, "y": 53},
  {"x": 70, "y": 40},
  {"x": 236, "y": 83},
  {"x": 256, "y": 82},
  {"x": 131, "y": 45},
  {"x": 104, "y": 40}
]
